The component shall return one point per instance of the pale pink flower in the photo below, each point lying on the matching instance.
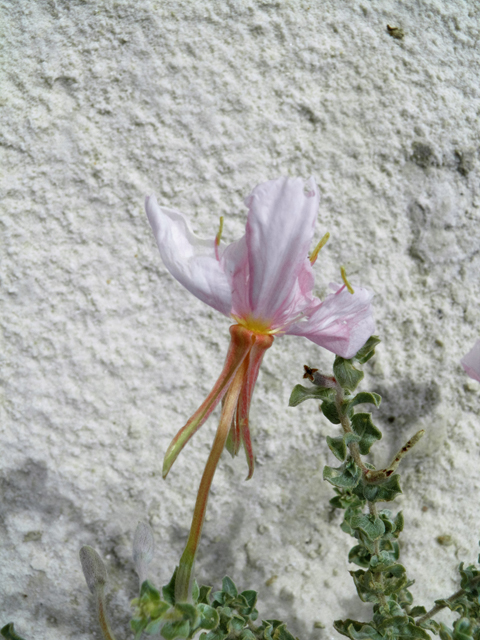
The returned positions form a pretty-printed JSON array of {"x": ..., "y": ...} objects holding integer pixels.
[
  {"x": 471, "y": 362},
  {"x": 264, "y": 282}
]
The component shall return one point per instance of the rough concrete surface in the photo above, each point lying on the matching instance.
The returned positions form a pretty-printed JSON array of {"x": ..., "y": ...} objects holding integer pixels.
[{"x": 105, "y": 356}]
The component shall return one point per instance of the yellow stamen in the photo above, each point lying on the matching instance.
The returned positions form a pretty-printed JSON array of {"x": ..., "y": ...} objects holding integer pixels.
[
  {"x": 256, "y": 325},
  {"x": 218, "y": 237},
  {"x": 345, "y": 281},
  {"x": 316, "y": 251}
]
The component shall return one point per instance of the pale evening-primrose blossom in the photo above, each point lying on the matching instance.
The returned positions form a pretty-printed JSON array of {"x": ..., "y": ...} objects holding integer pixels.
[
  {"x": 471, "y": 361},
  {"x": 264, "y": 282}
]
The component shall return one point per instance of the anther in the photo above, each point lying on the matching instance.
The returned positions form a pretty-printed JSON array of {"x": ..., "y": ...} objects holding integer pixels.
[
  {"x": 316, "y": 251},
  {"x": 218, "y": 237},
  {"x": 345, "y": 281}
]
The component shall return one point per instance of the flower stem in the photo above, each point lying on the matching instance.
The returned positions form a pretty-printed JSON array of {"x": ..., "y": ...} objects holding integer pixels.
[
  {"x": 185, "y": 568},
  {"x": 102, "y": 614}
]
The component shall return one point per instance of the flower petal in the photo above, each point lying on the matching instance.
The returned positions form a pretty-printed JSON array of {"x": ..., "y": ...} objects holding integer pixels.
[
  {"x": 189, "y": 259},
  {"x": 280, "y": 226},
  {"x": 342, "y": 323},
  {"x": 471, "y": 362}
]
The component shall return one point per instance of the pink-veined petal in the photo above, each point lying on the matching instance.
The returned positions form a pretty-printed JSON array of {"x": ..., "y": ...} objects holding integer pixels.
[
  {"x": 471, "y": 362},
  {"x": 191, "y": 260},
  {"x": 342, "y": 323},
  {"x": 279, "y": 231}
]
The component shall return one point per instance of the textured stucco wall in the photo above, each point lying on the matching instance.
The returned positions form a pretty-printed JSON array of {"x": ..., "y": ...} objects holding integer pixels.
[{"x": 105, "y": 356}]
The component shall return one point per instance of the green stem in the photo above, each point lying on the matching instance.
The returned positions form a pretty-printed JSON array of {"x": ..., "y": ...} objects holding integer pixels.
[
  {"x": 185, "y": 567},
  {"x": 438, "y": 607},
  {"x": 355, "y": 453}
]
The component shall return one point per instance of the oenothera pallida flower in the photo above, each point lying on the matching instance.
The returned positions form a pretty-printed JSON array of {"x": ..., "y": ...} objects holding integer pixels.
[
  {"x": 264, "y": 282},
  {"x": 471, "y": 362}
]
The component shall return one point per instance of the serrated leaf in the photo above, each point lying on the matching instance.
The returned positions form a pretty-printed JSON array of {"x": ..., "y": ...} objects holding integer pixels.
[
  {"x": 8, "y": 632},
  {"x": 329, "y": 410},
  {"x": 338, "y": 447},
  {"x": 368, "y": 350},
  {"x": 172, "y": 630},
  {"x": 209, "y": 617},
  {"x": 372, "y": 527},
  {"x": 168, "y": 591},
  {"x": 347, "y": 476},
  {"x": 363, "y": 426},
  {"x": 347, "y": 376},
  {"x": 365, "y": 397},
  {"x": 301, "y": 393}
]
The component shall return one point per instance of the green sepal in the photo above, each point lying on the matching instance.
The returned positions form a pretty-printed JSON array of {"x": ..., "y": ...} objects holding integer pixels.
[
  {"x": 209, "y": 617},
  {"x": 356, "y": 630},
  {"x": 172, "y": 630},
  {"x": 168, "y": 591},
  {"x": 347, "y": 476},
  {"x": 330, "y": 411},
  {"x": 347, "y": 376},
  {"x": 363, "y": 426},
  {"x": 8, "y": 632},
  {"x": 379, "y": 492},
  {"x": 367, "y": 351},
  {"x": 370, "y": 526},
  {"x": 365, "y": 397},
  {"x": 301, "y": 393}
]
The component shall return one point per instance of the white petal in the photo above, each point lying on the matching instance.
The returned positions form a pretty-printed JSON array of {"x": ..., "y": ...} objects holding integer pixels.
[
  {"x": 189, "y": 259},
  {"x": 471, "y": 362},
  {"x": 280, "y": 226},
  {"x": 342, "y": 323}
]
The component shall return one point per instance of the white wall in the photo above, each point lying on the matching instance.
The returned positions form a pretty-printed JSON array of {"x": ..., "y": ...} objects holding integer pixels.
[{"x": 105, "y": 356}]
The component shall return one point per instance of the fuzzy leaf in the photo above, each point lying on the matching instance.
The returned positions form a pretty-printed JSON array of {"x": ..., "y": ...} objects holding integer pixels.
[
  {"x": 345, "y": 374},
  {"x": 372, "y": 527},
  {"x": 356, "y": 630},
  {"x": 338, "y": 447},
  {"x": 368, "y": 350},
  {"x": 363, "y": 426},
  {"x": 251, "y": 599},
  {"x": 172, "y": 630},
  {"x": 384, "y": 492},
  {"x": 329, "y": 410},
  {"x": 228, "y": 586},
  {"x": 301, "y": 393},
  {"x": 209, "y": 617},
  {"x": 365, "y": 397},
  {"x": 204, "y": 594},
  {"x": 168, "y": 591},
  {"x": 347, "y": 476},
  {"x": 8, "y": 632}
]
